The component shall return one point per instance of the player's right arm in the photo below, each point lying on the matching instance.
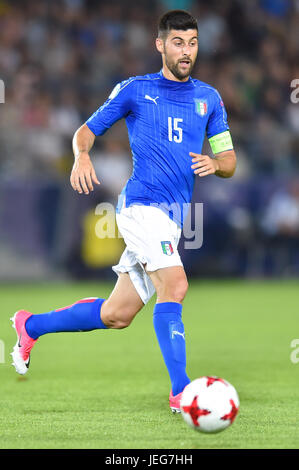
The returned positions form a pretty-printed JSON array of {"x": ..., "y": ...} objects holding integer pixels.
[
  {"x": 83, "y": 174},
  {"x": 118, "y": 105}
]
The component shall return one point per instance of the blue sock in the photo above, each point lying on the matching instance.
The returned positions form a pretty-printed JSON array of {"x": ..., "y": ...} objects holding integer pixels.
[
  {"x": 169, "y": 329},
  {"x": 83, "y": 315}
]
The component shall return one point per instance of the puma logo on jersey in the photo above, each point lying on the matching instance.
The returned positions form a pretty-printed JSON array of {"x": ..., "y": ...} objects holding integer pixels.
[
  {"x": 174, "y": 332},
  {"x": 147, "y": 97}
]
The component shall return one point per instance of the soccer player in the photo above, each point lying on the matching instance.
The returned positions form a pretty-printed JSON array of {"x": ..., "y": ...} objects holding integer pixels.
[{"x": 167, "y": 115}]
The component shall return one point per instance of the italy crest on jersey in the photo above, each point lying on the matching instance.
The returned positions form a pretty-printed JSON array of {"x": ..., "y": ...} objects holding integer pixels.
[
  {"x": 201, "y": 107},
  {"x": 167, "y": 248}
]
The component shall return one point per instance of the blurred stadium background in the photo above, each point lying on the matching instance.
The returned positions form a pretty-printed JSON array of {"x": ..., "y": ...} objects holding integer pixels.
[{"x": 59, "y": 61}]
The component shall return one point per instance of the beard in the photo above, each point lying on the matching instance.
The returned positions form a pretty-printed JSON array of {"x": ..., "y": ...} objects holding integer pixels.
[{"x": 175, "y": 69}]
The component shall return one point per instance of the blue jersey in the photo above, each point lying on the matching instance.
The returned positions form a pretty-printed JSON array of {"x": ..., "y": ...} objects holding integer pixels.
[{"x": 166, "y": 120}]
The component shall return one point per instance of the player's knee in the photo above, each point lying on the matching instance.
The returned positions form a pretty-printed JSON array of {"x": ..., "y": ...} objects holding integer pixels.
[
  {"x": 119, "y": 323},
  {"x": 175, "y": 291},
  {"x": 180, "y": 290},
  {"x": 116, "y": 318},
  {"x": 114, "y": 322}
]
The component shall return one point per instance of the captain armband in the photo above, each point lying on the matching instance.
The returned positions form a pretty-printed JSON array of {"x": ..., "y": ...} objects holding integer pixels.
[{"x": 221, "y": 142}]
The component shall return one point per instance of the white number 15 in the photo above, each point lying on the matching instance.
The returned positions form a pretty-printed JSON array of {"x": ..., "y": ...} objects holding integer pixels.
[{"x": 175, "y": 127}]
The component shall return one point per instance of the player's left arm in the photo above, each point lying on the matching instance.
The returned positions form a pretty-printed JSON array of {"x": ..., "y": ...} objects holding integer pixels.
[
  {"x": 224, "y": 162},
  {"x": 223, "y": 165}
]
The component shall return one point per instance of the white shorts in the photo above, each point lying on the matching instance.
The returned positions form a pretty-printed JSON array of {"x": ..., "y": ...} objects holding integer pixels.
[{"x": 152, "y": 239}]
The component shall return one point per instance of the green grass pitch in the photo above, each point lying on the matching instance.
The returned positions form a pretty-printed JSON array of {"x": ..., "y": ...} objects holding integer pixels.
[{"x": 109, "y": 389}]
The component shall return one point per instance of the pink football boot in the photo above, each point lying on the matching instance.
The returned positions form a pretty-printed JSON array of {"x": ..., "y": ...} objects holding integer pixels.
[
  {"x": 174, "y": 402},
  {"x": 24, "y": 344}
]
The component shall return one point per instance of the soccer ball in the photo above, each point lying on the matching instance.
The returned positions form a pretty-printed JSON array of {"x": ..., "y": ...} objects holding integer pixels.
[{"x": 209, "y": 404}]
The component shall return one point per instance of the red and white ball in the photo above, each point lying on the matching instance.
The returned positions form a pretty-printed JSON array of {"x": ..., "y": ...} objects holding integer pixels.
[{"x": 209, "y": 404}]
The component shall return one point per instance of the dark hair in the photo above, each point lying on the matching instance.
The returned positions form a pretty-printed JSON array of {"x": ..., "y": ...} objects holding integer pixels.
[{"x": 176, "y": 19}]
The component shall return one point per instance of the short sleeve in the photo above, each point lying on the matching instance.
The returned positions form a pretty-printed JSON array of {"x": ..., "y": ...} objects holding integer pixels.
[
  {"x": 118, "y": 105},
  {"x": 217, "y": 122}
]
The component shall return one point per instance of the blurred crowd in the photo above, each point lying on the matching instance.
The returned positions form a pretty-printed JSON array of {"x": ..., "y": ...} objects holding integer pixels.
[{"x": 60, "y": 59}]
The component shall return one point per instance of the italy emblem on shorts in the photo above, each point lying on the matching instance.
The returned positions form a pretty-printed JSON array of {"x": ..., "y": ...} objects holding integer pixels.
[
  {"x": 201, "y": 107},
  {"x": 167, "y": 248}
]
